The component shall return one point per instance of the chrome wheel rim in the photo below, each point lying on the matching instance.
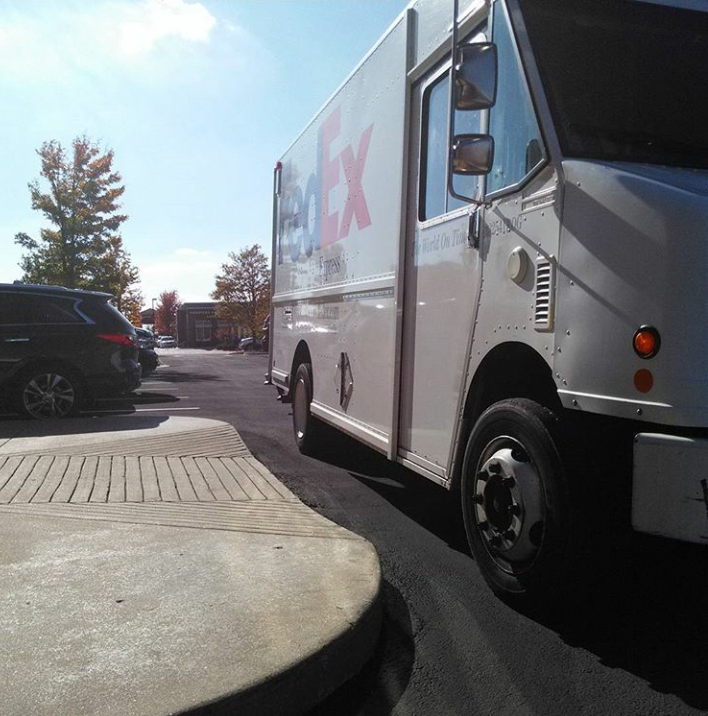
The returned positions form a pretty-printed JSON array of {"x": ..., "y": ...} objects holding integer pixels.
[
  {"x": 48, "y": 395},
  {"x": 508, "y": 504}
]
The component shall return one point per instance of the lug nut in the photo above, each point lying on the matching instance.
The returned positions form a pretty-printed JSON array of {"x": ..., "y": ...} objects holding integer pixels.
[
  {"x": 478, "y": 498},
  {"x": 515, "y": 509},
  {"x": 483, "y": 476},
  {"x": 508, "y": 482},
  {"x": 495, "y": 468},
  {"x": 510, "y": 535},
  {"x": 483, "y": 525},
  {"x": 495, "y": 540}
]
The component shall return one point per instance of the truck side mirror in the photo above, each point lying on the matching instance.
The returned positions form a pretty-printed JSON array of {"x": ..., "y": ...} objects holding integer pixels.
[
  {"x": 476, "y": 77},
  {"x": 472, "y": 154}
]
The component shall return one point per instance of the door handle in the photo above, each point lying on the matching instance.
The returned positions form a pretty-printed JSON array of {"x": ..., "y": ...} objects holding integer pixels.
[
  {"x": 474, "y": 228},
  {"x": 17, "y": 340}
]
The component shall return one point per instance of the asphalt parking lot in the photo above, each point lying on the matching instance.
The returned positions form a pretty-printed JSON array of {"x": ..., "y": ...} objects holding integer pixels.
[
  {"x": 635, "y": 644},
  {"x": 163, "y": 391}
]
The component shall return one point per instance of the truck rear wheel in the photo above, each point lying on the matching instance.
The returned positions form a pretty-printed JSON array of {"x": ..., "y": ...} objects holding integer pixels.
[
  {"x": 306, "y": 427},
  {"x": 515, "y": 502}
]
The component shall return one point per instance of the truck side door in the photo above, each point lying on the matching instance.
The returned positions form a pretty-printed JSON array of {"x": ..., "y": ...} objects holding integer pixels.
[{"x": 442, "y": 280}]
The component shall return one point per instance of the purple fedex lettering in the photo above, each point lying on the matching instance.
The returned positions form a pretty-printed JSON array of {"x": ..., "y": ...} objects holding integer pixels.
[
  {"x": 308, "y": 222},
  {"x": 330, "y": 176}
]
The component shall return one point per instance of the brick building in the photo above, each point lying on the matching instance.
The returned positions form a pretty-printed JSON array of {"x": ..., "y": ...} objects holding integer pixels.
[{"x": 198, "y": 326}]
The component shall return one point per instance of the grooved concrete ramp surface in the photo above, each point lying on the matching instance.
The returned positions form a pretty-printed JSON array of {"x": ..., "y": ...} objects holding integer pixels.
[
  {"x": 155, "y": 567},
  {"x": 133, "y": 478}
]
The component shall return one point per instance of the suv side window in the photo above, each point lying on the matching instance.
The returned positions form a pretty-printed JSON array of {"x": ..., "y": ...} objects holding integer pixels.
[
  {"x": 32, "y": 309},
  {"x": 12, "y": 310},
  {"x": 52, "y": 310},
  {"x": 518, "y": 146}
]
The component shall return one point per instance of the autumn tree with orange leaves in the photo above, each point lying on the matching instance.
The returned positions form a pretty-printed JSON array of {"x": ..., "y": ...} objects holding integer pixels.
[
  {"x": 243, "y": 290},
  {"x": 166, "y": 313},
  {"x": 83, "y": 249}
]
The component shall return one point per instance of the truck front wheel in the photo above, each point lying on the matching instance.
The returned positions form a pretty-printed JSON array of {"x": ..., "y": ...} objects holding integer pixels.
[
  {"x": 306, "y": 427},
  {"x": 515, "y": 501}
]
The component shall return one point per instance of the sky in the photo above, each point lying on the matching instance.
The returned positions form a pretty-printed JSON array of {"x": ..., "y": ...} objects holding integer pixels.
[{"x": 197, "y": 100}]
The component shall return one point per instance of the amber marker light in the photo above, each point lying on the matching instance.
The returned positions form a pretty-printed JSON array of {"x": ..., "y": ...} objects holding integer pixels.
[
  {"x": 643, "y": 380},
  {"x": 646, "y": 342}
]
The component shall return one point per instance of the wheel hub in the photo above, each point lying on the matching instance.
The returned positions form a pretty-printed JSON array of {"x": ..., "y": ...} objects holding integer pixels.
[
  {"x": 48, "y": 396},
  {"x": 498, "y": 502},
  {"x": 509, "y": 503}
]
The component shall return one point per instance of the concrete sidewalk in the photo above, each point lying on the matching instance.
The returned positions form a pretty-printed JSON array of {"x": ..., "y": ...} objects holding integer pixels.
[{"x": 153, "y": 566}]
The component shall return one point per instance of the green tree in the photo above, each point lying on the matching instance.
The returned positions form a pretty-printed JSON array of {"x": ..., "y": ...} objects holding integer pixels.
[
  {"x": 112, "y": 271},
  {"x": 243, "y": 290},
  {"x": 132, "y": 307},
  {"x": 166, "y": 313},
  {"x": 83, "y": 249}
]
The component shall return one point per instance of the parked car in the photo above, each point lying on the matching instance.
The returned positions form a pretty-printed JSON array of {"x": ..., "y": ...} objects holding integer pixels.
[
  {"x": 147, "y": 357},
  {"x": 250, "y": 344},
  {"x": 149, "y": 360},
  {"x": 60, "y": 347},
  {"x": 146, "y": 339},
  {"x": 166, "y": 342}
]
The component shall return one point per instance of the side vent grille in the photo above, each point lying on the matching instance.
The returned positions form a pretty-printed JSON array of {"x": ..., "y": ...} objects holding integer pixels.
[{"x": 543, "y": 313}]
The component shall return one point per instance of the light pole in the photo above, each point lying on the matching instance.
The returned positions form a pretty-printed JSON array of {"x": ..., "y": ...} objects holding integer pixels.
[{"x": 153, "y": 314}]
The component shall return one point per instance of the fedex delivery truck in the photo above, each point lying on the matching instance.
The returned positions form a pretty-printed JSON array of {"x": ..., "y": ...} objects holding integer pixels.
[{"x": 490, "y": 264}]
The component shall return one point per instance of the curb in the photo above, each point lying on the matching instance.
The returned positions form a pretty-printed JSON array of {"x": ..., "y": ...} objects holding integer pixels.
[{"x": 293, "y": 601}]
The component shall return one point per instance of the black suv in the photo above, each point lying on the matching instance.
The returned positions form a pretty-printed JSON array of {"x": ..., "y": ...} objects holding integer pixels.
[{"x": 60, "y": 347}]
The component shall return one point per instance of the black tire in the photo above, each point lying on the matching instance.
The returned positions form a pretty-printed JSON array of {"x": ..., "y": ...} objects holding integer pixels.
[
  {"x": 48, "y": 393},
  {"x": 306, "y": 428},
  {"x": 515, "y": 501}
]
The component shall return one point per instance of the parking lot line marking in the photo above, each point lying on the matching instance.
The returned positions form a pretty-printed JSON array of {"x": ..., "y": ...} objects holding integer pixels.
[
  {"x": 127, "y": 411},
  {"x": 154, "y": 410},
  {"x": 122, "y": 398}
]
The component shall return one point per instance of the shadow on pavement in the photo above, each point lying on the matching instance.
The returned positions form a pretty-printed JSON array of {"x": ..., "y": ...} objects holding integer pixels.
[
  {"x": 432, "y": 507},
  {"x": 380, "y": 684},
  {"x": 94, "y": 418},
  {"x": 165, "y": 375},
  {"x": 642, "y": 608},
  {"x": 17, "y": 426},
  {"x": 640, "y": 602}
]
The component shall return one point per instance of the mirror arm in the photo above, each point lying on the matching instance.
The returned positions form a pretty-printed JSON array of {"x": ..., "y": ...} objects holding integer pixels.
[
  {"x": 477, "y": 202},
  {"x": 451, "y": 98}
]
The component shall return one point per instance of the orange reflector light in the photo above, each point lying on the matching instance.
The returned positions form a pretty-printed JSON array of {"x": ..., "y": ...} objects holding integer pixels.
[
  {"x": 643, "y": 380},
  {"x": 646, "y": 342}
]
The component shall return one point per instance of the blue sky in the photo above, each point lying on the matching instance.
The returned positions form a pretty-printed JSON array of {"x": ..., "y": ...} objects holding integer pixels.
[{"x": 197, "y": 99}]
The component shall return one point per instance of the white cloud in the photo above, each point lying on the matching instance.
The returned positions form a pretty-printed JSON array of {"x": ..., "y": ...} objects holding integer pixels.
[
  {"x": 42, "y": 41},
  {"x": 158, "y": 19},
  {"x": 189, "y": 272},
  {"x": 193, "y": 253}
]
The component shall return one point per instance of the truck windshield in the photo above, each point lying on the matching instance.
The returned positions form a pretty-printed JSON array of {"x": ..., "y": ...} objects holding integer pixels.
[{"x": 626, "y": 80}]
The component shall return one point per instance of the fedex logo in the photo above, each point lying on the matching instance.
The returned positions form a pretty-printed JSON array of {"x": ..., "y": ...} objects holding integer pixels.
[{"x": 309, "y": 219}]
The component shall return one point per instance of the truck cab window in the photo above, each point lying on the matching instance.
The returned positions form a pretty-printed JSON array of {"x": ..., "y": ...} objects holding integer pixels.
[
  {"x": 434, "y": 198},
  {"x": 643, "y": 73},
  {"x": 518, "y": 147}
]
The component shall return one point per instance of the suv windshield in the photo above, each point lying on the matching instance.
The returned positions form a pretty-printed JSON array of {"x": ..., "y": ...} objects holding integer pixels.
[{"x": 626, "y": 80}]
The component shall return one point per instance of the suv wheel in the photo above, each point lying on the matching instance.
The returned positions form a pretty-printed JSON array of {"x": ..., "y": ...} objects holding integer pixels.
[{"x": 43, "y": 394}]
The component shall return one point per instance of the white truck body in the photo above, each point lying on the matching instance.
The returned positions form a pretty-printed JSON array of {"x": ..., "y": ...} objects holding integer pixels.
[{"x": 417, "y": 311}]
